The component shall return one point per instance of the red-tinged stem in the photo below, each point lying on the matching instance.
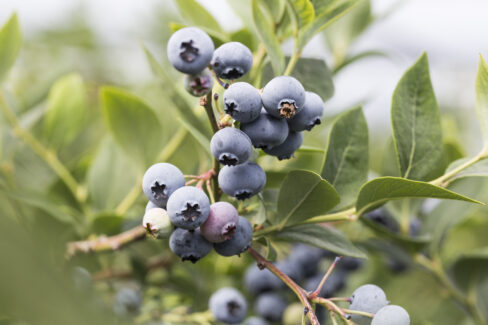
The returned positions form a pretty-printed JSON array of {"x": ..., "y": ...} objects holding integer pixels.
[
  {"x": 263, "y": 263},
  {"x": 321, "y": 284}
]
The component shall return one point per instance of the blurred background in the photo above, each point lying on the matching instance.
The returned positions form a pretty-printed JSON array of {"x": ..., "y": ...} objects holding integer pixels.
[{"x": 97, "y": 43}]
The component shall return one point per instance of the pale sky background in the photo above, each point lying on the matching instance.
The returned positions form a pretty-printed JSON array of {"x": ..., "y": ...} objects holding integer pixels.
[{"x": 452, "y": 32}]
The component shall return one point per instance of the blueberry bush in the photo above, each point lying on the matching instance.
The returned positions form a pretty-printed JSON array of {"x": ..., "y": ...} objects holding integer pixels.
[{"x": 223, "y": 192}]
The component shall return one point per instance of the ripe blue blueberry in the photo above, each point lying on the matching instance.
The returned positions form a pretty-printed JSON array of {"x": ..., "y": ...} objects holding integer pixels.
[
  {"x": 239, "y": 243},
  {"x": 287, "y": 148},
  {"x": 310, "y": 115},
  {"x": 127, "y": 302},
  {"x": 242, "y": 181},
  {"x": 255, "y": 321},
  {"x": 221, "y": 223},
  {"x": 190, "y": 50},
  {"x": 270, "y": 306},
  {"x": 334, "y": 283},
  {"x": 231, "y": 60},
  {"x": 307, "y": 257},
  {"x": 189, "y": 245},
  {"x": 258, "y": 281},
  {"x": 348, "y": 263},
  {"x": 243, "y": 102},
  {"x": 266, "y": 131},
  {"x": 391, "y": 315},
  {"x": 199, "y": 84},
  {"x": 231, "y": 146},
  {"x": 415, "y": 227},
  {"x": 188, "y": 207},
  {"x": 283, "y": 96},
  {"x": 384, "y": 219},
  {"x": 368, "y": 298},
  {"x": 292, "y": 269},
  {"x": 157, "y": 223},
  {"x": 228, "y": 306},
  {"x": 160, "y": 181}
]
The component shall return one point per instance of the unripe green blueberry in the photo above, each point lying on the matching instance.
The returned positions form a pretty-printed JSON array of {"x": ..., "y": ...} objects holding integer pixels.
[{"x": 157, "y": 223}]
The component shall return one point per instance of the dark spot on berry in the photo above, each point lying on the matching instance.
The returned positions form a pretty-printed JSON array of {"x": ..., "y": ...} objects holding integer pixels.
[
  {"x": 191, "y": 211},
  {"x": 191, "y": 258},
  {"x": 159, "y": 191},
  {"x": 232, "y": 73},
  {"x": 243, "y": 194},
  {"x": 230, "y": 107},
  {"x": 233, "y": 307},
  {"x": 287, "y": 109},
  {"x": 228, "y": 160},
  {"x": 188, "y": 52}
]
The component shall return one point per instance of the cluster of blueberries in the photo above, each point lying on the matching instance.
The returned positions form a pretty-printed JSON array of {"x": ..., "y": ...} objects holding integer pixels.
[
  {"x": 271, "y": 119},
  {"x": 229, "y": 306},
  {"x": 198, "y": 225}
]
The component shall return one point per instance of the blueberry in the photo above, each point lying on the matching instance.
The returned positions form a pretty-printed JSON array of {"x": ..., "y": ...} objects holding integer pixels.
[
  {"x": 243, "y": 102},
  {"x": 150, "y": 206},
  {"x": 270, "y": 306},
  {"x": 127, "y": 302},
  {"x": 292, "y": 269},
  {"x": 199, "y": 84},
  {"x": 293, "y": 314},
  {"x": 231, "y": 146},
  {"x": 334, "y": 283},
  {"x": 190, "y": 50},
  {"x": 189, "y": 244},
  {"x": 350, "y": 264},
  {"x": 258, "y": 281},
  {"x": 82, "y": 279},
  {"x": 160, "y": 181},
  {"x": 283, "y": 96},
  {"x": 221, "y": 223},
  {"x": 228, "y": 306},
  {"x": 239, "y": 243},
  {"x": 242, "y": 181},
  {"x": 307, "y": 257},
  {"x": 287, "y": 148},
  {"x": 266, "y": 131},
  {"x": 310, "y": 115},
  {"x": 391, "y": 315},
  {"x": 157, "y": 223},
  {"x": 255, "y": 321},
  {"x": 415, "y": 227},
  {"x": 368, "y": 298},
  {"x": 231, "y": 60},
  {"x": 188, "y": 207},
  {"x": 384, "y": 219}
]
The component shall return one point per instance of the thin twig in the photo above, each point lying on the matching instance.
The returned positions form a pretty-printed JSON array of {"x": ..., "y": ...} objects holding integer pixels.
[{"x": 326, "y": 276}]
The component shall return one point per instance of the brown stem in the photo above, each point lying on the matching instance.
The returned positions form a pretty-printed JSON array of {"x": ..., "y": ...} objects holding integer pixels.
[
  {"x": 105, "y": 243},
  {"x": 206, "y": 102},
  {"x": 263, "y": 263},
  {"x": 315, "y": 293}
]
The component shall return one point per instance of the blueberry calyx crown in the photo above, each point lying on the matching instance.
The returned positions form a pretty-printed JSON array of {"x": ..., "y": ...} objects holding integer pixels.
[
  {"x": 228, "y": 159},
  {"x": 192, "y": 258},
  {"x": 159, "y": 191},
  {"x": 230, "y": 107},
  {"x": 315, "y": 122},
  {"x": 191, "y": 211},
  {"x": 232, "y": 73},
  {"x": 188, "y": 52},
  {"x": 287, "y": 108},
  {"x": 243, "y": 194},
  {"x": 229, "y": 230},
  {"x": 199, "y": 85},
  {"x": 233, "y": 307}
]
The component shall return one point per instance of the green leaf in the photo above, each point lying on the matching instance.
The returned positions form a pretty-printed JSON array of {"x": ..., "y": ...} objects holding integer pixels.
[
  {"x": 217, "y": 37},
  {"x": 271, "y": 253},
  {"x": 380, "y": 190},
  {"x": 10, "y": 44},
  {"x": 66, "y": 110},
  {"x": 264, "y": 25},
  {"x": 133, "y": 124},
  {"x": 107, "y": 224},
  {"x": 277, "y": 8},
  {"x": 347, "y": 159},
  {"x": 416, "y": 122},
  {"x": 110, "y": 176},
  {"x": 471, "y": 267},
  {"x": 323, "y": 237},
  {"x": 478, "y": 169},
  {"x": 326, "y": 12},
  {"x": 482, "y": 97},
  {"x": 304, "y": 195},
  {"x": 303, "y": 10},
  {"x": 199, "y": 137},
  {"x": 313, "y": 74},
  {"x": 193, "y": 13}
]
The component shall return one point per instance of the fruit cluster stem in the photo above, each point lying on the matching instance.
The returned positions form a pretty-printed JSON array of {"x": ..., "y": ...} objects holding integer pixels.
[{"x": 264, "y": 263}]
